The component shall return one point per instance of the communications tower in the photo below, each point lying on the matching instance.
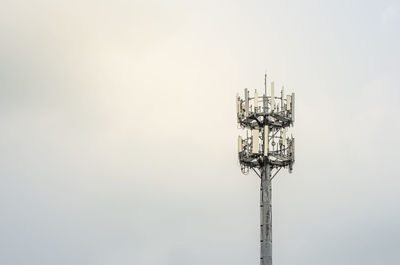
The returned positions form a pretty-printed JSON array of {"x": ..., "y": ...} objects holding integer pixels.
[{"x": 267, "y": 149}]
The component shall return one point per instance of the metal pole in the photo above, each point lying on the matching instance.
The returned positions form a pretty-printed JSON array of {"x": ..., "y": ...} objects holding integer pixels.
[
  {"x": 276, "y": 152},
  {"x": 266, "y": 216}
]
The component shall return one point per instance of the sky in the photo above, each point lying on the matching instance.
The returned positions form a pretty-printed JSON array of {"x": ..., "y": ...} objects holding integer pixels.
[{"x": 118, "y": 131}]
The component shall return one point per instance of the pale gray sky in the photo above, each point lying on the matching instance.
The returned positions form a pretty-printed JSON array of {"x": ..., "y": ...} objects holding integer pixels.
[{"x": 118, "y": 133}]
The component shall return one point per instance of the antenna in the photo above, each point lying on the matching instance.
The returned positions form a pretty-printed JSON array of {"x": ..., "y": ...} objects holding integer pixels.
[
  {"x": 255, "y": 101},
  {"x": 268, "y": 130},
  {"x": 265, "y": 83},
  {"x": 272, "y": 96}
]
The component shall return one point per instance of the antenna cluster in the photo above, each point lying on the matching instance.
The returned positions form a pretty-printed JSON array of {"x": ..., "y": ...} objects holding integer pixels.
[{"x": 267, "y": 117}]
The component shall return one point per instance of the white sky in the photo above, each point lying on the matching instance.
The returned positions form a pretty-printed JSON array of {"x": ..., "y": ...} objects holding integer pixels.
[{"x": 118, "y": 133}]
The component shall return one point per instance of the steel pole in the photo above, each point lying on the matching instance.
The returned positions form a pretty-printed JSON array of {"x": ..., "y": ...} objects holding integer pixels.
[{"x": 266, "y": 216}]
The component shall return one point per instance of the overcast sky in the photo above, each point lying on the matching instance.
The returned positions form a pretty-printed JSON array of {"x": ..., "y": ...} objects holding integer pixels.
[{"x": 118, "y": 131}]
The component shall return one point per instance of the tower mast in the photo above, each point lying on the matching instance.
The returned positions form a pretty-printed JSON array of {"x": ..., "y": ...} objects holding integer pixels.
[{"x": 265, "y": 150}]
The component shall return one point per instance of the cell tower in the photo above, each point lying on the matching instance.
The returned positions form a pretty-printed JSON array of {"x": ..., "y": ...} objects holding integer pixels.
[{"x": 267, "y": 150}]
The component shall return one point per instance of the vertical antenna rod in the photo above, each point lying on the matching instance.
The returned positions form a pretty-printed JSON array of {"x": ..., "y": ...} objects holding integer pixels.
[{"x": 265, "y": 84}]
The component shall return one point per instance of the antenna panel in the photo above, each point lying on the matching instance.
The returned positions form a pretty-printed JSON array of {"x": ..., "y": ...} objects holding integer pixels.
[
  {"x": 284, "y": 136},
  {"x": 255, "y": 101},
  {"x": 292, "y": 107},
  {"x": 293, "y": 149},
  {"x": 255, "y": 140},
  {"x": 272, "y": 95},
  {"x": 288, "y": 102},
  {"x": 246, "y": 102},
  {"x": 240, "y": 144},
  {"x": 266, "y": 142},
  {"x": 265, "y": 103},
  {"x": 238, "y": 105}
]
